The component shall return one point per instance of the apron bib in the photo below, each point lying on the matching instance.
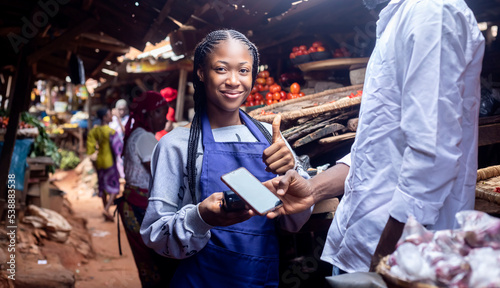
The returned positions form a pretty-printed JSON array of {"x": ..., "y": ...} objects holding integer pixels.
[{"x": 241, "y": 255}]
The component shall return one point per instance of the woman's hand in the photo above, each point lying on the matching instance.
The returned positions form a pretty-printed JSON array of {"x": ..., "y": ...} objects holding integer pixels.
[
  {"x": 213, "y": 213},
  {"x": 277, "y": 157}
]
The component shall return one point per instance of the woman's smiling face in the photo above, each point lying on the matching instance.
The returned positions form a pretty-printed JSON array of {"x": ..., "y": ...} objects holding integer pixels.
[{"x": 227, "y": 76}]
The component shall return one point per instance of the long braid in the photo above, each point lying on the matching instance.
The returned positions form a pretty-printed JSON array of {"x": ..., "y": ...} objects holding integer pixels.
[{"x": 203, "y": 49}]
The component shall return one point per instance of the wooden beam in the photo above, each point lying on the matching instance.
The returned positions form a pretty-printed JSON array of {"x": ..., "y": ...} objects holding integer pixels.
[
  {"x": 181, "y": 91},
  {"x": 61, "y": 41},
  {"x": 22, "y": 89},
  {"x": 489, "y": 134},
  {"x": 6, "y": 30},
  {"x": 86, "y": 4},
  {"x": 103, "y": 46},
  {"x": 59, "y": 62},
  {"x": 101, "y": 65},
  {"x": 155, "y": 26},
  {"x": 141, "y": 85}
]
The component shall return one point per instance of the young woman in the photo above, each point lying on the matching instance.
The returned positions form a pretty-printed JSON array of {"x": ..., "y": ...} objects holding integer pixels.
[
  {"x": 147, "y": 117},
  {"x": 109, "y": 149},
  {"x": 184, "y": 218}
]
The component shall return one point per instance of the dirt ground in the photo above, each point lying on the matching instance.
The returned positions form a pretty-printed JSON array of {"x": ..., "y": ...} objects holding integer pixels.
[{"x": 108, "y": 268}]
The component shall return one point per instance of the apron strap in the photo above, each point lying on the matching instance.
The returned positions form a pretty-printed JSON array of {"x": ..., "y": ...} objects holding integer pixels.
[{"x": 261, "y": 127}]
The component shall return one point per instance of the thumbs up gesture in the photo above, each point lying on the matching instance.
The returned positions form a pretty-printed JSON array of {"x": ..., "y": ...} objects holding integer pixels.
[{"x": 278, "y": 157}]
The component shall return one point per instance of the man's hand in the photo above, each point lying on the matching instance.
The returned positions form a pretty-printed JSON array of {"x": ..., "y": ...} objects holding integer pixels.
[
  {"x": 212, "y": 212},
  {"x": 277, "y": 157},
  {"x": 388, "y": 240},
  {"x": 295, "y": 192}
]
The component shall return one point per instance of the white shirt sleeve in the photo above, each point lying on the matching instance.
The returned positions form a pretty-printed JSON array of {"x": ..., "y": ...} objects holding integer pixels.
[
  {"x": 345, "y": 160},
  {"x": 433, "y": 45},
  {"x": 145, "y": 146}
]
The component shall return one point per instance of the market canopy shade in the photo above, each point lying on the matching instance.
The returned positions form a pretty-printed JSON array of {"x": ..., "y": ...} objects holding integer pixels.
[{"x": 99, "y": 31}]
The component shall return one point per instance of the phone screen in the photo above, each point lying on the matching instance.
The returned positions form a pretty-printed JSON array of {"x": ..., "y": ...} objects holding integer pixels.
[{"x": 250, "y": 189}]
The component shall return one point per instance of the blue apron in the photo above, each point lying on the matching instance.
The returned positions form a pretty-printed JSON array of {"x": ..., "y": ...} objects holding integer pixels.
[{"x": 241, "y": 255}]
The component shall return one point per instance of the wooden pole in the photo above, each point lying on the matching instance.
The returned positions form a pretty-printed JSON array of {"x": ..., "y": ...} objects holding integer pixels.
[
  {"x": 19, "y": 96},
  {"x": 88, "y": 108},
  {"x": 48, "y": 88},
  {"x": 181, "y": 91}
]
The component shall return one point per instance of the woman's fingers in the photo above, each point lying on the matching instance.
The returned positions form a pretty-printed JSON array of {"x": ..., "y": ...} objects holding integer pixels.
[{"x": 276, "y": 128}]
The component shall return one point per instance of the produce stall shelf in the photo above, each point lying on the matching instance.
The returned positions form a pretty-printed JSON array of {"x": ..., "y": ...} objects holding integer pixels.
[{"x": 336, "y": 63}]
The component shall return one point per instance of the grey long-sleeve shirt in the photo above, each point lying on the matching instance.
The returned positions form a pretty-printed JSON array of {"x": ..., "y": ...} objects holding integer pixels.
[{"x": 172, "y": 225}]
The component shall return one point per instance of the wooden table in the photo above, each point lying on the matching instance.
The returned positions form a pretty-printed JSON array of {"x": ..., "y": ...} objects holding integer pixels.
[{"x": 489, "y": 130}]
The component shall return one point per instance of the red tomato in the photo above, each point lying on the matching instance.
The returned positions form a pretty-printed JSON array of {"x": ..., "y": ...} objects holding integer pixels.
[
  {"x": 261, "y": 80},
  {"x": 274, "y": 88},
  {"x": 250, "y": 98},
  {"x": 269, "y": 101},
  {"x": 254, "y": 89},
  {"x": 257, "y": 97},
  {"x": 317, "y": 44},
  {"x": 294, "y": 96},
  {"x": 320, "y": 49},
  {"x": 345, "y": 52},
  {"x": 295, "y": 88},
  {"x": 303, "y": 47},
  {"x": 266, "y": 88},
  {"x": 295, "y": 49},
  {"x": 260, "y": 87},
  {"x": 289, "y": 96},
  {"x": 298, "y": 53},
  {"x": 292, "y": 55},
  {"x": 276, "y": 96},
  {"x": 261, "y": 102},
  {"x": 283, "y": 95},
  {"x": 261, "y": 74},
  {"x": 269, "y": 96},
  {"x": 302, "y": 94},
  {"x": 269, "y": 81},
  {"x": 312, "y": 49},
  {"x": 266, "y": 73}
]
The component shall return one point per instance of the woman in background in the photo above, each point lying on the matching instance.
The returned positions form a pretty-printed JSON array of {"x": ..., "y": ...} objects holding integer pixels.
[
  {"x": 109, "y": 146},
  {"x": 147, "y": 117}
]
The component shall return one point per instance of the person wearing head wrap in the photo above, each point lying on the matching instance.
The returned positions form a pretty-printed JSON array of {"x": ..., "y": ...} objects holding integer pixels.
[
  {"x": 120, "y": 119},
  {"x": 110, "y": 148},
  {"x": 170, "y": 95},
  {"x": 147, "y": 116}
]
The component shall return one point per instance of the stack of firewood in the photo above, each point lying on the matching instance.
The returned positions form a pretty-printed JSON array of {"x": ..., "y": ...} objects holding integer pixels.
[{"x": 316, "y": 124}]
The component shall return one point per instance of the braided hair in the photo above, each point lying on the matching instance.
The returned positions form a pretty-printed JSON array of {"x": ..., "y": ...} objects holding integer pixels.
[{"x": 203, "y": 49}]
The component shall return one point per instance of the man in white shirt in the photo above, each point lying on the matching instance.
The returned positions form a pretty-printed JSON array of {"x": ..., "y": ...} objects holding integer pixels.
[{"x": 415, "y": 151}]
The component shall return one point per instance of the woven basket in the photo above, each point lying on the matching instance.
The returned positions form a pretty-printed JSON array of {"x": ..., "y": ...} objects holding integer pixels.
[
  {"x": 488, "y": 179},
  {"x": 310, "y": 105},
  {"x": 392, "y": 281}
]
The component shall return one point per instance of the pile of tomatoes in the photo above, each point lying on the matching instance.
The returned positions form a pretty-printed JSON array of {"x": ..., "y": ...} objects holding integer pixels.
[
  {"x": 265, "y": 85},
  {"x": 303, "y": 50},
  {"x": 275, "y": 95},
  {"x": 4, "y": 121}
]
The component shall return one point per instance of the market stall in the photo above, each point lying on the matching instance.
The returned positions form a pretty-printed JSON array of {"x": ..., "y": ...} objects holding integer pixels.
[{"x": 315, "y": 65}]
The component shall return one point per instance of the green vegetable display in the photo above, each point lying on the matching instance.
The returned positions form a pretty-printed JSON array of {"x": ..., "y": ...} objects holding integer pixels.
[
  {"x": 42, "y": 146},
  {"x": 69, "y": 159}
]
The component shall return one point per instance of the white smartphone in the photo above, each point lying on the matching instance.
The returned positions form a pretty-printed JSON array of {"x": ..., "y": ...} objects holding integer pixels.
[{"x": 251, "y": 190}]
